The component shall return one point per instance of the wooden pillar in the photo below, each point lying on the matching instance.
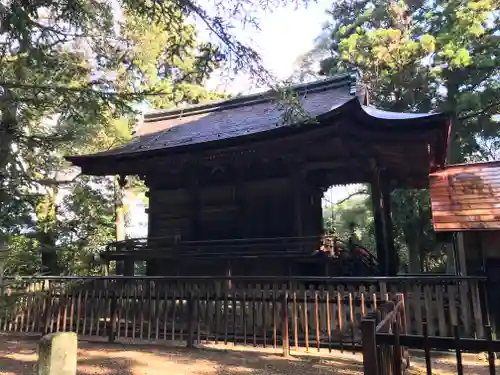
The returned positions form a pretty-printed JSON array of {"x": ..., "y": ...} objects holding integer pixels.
[
  {"x": 370, "y": 355},
  {"x": 129, "y": 267},
  {"x": 378, "y": 221},
  {"x": 460, "y": 253},
  {"x": 119, "y": 267},
  {"x": 318, "y": 211},
  {"x": 150, "y": 268},
  {"x": 105, "y": 268},
  {"x": 382, "y": 217},
  {"x": 391, "y": 253}
]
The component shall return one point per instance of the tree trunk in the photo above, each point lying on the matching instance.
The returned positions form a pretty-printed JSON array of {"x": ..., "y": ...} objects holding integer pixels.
[
  {"x": 450, "y": 105},
  {"x": 119, "y": 221},
  {"x": 423, "y": 263},
  {"x": 414, "y": 257},
  {"x": 119, "y": 212},
  {"x": 450, "y": 261},
  {"x": 8, "y": 127},
  {"x": 49, "y": 260},
  {"x": 47, "y": 231}
]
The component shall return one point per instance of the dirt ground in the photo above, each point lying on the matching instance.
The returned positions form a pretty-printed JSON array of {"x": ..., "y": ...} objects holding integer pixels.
[{"x": 18, "y": 357}]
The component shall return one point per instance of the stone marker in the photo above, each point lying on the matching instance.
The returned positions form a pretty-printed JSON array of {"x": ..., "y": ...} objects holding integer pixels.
[{"x": 57, "y": 354}]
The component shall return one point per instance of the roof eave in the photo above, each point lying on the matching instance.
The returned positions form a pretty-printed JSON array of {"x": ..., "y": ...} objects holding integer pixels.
[{"x": 353, "y": 108}]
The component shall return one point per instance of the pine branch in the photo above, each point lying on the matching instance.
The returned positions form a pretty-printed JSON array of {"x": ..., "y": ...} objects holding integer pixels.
[
  {"x": 480, "y": 112},
  {"x": 90, "y": 90},
  {"x": 244, "y": 55},
  {"x": 50, "y": 139},
  {"x": 359, "y": 192},
  {"x": 55, "y": 182}
]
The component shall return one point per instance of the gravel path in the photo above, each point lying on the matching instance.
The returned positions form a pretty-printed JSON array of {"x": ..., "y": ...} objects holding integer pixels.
[{"x": 18, "y": 357}]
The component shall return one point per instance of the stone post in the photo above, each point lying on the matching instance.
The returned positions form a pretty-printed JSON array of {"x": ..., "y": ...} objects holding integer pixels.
[{"x": 57, "y": 354}]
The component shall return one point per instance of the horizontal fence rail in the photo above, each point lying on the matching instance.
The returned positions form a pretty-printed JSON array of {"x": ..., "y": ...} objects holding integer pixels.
[
  {"x": 303, "y": 312},
  {"x": 386, "y": 343}
]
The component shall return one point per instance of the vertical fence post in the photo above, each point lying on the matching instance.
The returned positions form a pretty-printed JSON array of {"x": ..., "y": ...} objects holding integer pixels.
[
  {"x": 427, "y": 349},
  {"x": 460, "y": 368},
  {"x": 404, "y": 330},
  {"x": 47, "y": 310},
  {"x": 286, "y": 339},
  {"x": 369, "y": 342},
  {"x": 491, "y": 355},
  {"x": 113, "y": 316},
  {"x": 397, "y": 349},
  {"x": 190, "y": 322}
]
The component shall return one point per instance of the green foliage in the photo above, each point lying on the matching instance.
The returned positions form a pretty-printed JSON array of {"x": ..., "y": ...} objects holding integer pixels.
[
  {"x": 288, "y": 101},
  {"x": 414, "y": 235},
  {"x": 23, "y": 256},
  {"x": 71, "y": 78},
  {"x": 87, "y": 223},
  {"x": 425, "y": 56},
  {"x": 351, "y": 218}
]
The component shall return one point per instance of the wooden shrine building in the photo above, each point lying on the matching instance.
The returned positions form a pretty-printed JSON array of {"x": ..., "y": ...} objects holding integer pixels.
[{"x": 240, "y": 182}]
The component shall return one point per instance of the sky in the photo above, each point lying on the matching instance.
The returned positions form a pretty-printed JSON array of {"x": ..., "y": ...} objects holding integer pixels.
[{"x": 284, "y": 36}]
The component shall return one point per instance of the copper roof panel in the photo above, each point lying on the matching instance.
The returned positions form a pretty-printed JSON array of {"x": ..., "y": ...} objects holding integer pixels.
[{"x": 466, "y": 197}]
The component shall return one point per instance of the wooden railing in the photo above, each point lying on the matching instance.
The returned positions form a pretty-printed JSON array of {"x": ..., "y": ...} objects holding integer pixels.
[
  {"x": 380, "y": 359},
  {"x": 219, "y": 247},
  {"x": 312, "y": 312},
  {"x": 261, "y": 247},
  {"x": 386, "y": 343}
]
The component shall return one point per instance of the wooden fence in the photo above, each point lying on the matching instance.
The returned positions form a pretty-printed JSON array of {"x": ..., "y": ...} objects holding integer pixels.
[
  {"x": 386, "y": 343},
  {"x": 312, "y": 312}
]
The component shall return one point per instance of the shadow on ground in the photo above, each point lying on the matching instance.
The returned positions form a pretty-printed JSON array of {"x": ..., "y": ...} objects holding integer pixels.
[{"x": 18, "y": 357}]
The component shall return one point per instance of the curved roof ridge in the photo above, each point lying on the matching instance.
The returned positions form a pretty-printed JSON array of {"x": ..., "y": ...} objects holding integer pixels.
[
  {"x": 392, "y": 115},
  {"x": 339, "y": 80}
]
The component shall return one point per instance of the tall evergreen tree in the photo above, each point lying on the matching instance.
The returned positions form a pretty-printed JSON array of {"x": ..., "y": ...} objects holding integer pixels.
[
  {"x": 423, "y": 56},
  {"x": 71, "y": 78}
]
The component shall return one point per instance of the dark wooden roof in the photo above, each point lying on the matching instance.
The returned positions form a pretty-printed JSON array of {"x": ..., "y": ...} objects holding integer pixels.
[
  {"x": 466, "y": 197},
  {"x": 240, "y": 116},
  {"x": 349, "y": 132}
]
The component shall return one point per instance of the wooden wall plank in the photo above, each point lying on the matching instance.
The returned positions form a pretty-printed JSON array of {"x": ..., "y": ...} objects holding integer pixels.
[{"x": 465, "y": 198}]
